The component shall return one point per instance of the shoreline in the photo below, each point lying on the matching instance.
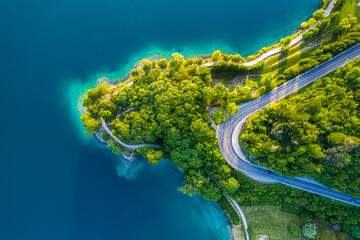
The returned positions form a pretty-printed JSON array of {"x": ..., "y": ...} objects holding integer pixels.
[
  {"x": 156, "y": 53},
  {"x": 157, "y": 56},
  {"x": 127, "y": 79}
]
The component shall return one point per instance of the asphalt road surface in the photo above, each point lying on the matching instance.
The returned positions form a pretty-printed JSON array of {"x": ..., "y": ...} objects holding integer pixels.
[{"x": 228, "y": 132}]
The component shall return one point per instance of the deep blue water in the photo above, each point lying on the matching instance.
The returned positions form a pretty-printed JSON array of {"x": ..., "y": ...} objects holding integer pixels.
[{"x": 56, "y": 184}]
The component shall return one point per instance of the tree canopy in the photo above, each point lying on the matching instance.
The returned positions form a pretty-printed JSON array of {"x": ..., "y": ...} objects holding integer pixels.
[
  {"x": 170, "y": 109},
  {"x": 315, "y": 133}
]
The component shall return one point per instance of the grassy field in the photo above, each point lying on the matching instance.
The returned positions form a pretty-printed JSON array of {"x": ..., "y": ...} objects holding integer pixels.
[
  {"x": 232, "y": 80},
  {"x": 279, "y": 62},
  {"x": 350, "y": 7},
  {"x": 271, "y": 221}
]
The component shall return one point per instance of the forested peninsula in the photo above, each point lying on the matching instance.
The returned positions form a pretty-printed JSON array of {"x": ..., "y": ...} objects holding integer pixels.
[
  {"x": 169, "y": 102},
  {"x": 167, "y": 110}
]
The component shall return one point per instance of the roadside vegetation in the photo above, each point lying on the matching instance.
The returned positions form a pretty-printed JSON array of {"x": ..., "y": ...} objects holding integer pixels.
[
  {"x": 314, "y": 134},
  {"x": 330, "y": 37},
  {"x": 325, "y": 32},
  {"x": 230, "y": 212},
  {"x": 166, "y": 102}
]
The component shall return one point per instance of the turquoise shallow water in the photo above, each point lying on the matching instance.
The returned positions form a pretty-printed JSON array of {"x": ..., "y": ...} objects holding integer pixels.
[{"x": 55, "y": 183}]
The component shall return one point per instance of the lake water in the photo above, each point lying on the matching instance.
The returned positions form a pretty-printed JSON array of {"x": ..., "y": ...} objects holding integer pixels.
[{"x": 57, "y": 184}]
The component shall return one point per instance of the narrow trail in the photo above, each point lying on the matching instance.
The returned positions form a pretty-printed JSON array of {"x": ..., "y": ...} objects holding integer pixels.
[
  {"x": 242, "y": 215},
  {"x": 128, "y": 146}
]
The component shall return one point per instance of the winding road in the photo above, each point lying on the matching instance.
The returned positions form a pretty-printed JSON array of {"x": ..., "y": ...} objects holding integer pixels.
[
  {"x": 228, "y": 132},
  {"x": 128, "y": 146}
]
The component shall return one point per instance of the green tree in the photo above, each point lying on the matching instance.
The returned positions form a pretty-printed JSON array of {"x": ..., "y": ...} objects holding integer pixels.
[
  {"x": 231, "y": 109},
  {"x": 355, "y": 231},
  {"x": 90, "y": 123},
  {"x": 311, "y": 21},
  {"x": 336, "y": 138},
  {"x": 308, "y": 35},
  {"x": 115, "y": 147},
  {"x": 146, "y": 65},
  {"x": 304, "y": 25},
  {"x": 286, "y": 40},
  {"x": 86, "y": 101},
  {"x": 211, "y": 192},
  {"x": 285, "y": 49},
  {"x": 176, "y": 60},
  {"x": 162, "y": 63},
  {"x": 122, "y": 129},
  {"x": 319, "y": 14},
  {"x": 237, "y": 58},
  {"x": 105, "y": 114},
  {"x": 189, "y": 189},
  {"x": 103, "y": 89},
  {"x": 216, "y": 56},
  {"x": 219, "y": 116},
  {"x": 232, "y": 185},
  {"x": 294, "y": 230},
  {"x": 309, "y": 230},
  {"x": 268, "y": 83},
  {"x": 135, "y": 72},
  {"x": 353, "y": 78},
  {"x": 107, "y": 104},
  {"x": 154, "y": 156},
  {"x": 105, "y": 136}
]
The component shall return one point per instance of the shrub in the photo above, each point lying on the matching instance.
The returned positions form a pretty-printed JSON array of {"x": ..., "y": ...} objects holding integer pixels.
[
  {"x": 135, "y": 72},
  {"x": 250, "y": 58},
  {"x": 237, "y": 58},
  {"x": 285, "y": 49},
  {"x": 311, "y": 21},
  {"x": 162, "y": 63},
  {"x": 286, "y": 40},
  {"x": 105, "y": 136},
  {"x": 319, "y": 14},
  {"x": 304, "y": 25},
  {"x": 199, "y": 60},
  {"x": 309, "y": 230},
  {"x": 294, "y": 230},
  {"x": 219, "y": 116},
  {"x": 146, "y": 65},
  {"x": 216, "y": 56},
  {"x": 307, "y": 35},
  {"x": 226, "y": 57}
]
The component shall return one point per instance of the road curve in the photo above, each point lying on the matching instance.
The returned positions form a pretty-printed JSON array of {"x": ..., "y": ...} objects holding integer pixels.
[{"x": 228, "y": 132}]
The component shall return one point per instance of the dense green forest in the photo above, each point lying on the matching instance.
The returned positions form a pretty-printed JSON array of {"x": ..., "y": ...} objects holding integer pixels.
[
  {"x": 167, "y": 103},
  {"x": 170, "y": 110},
  {"x": 315, "y": 133}
]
